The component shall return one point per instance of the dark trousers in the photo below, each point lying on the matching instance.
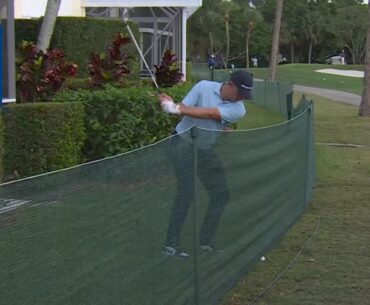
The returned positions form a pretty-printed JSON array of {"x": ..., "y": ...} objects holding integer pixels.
[{"x": 212, "y": 176}]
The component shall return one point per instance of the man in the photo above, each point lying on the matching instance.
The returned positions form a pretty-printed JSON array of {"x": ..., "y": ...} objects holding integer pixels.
[
  {"x": 211, "y": 61},
  {"x": 343, "y": 57},
  {"x": 212, "y": 106},
  {"x": 254, "y": 60}
]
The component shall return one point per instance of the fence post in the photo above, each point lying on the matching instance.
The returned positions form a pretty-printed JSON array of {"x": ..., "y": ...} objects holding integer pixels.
[
  {"x": 1, "y": 66},
  {"x": 289, "y": 104},
  {"x": 309, "y": 156},
  {"x": 278, "y": 96},
  {"x": 194, "y": 136}
]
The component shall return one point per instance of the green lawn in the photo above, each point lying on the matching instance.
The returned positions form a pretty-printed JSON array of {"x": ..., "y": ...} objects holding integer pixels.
[
  {"x": 334, "y": 268},
  {"x": 304, "y": 74},
  {"x": 259, "y": 116}
]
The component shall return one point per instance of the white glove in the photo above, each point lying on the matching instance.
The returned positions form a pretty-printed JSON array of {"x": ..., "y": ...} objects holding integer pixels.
[{"x": 170, "y": 107}]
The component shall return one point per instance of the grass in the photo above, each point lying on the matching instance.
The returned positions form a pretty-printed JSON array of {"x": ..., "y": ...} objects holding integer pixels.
[
  {"x": 304, "y": 74},
  {"x": 259, "y": 116},
  {"x": 334, "y": 268}
]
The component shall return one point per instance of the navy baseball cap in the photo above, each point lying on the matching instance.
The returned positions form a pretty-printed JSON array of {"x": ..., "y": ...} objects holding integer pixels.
[{"x": 243, "y": 80}]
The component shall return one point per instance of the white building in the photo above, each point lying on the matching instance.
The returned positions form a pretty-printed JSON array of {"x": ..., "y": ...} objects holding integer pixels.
[{"x": 162, "y": 25}]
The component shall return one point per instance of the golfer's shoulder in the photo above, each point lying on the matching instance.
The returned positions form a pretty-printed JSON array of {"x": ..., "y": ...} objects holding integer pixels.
[{"x": 206, "y": 84}]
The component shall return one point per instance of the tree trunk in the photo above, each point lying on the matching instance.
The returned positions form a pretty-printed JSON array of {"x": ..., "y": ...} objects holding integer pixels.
[
  {"x": 292, "y": 52},
  {"x": 247, "y": 50},
  {"x": 275, "y": 41},
  {"x": 364, "y": 109},
  {"x": 47, "y": 26},
  {"x": 227, "y": 40},
  {"x": 211, "y": 43},
  {"x": 310, "y": 52}
]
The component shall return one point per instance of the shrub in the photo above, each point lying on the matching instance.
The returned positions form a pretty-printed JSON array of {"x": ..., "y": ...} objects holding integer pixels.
[
  {"x": 167, "y": 73},
  {"x": 79, "y": 36},
  {"x": 1, "y": 147},
  {"x": 112, "y": 66},
  {"x": 40, "y": 74},
  {"x": 118, "y": 120},
  {"x": 42, "y": 137}
]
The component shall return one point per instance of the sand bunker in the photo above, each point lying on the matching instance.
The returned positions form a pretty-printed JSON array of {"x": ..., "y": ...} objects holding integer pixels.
[{"x": 351, "y": 73}]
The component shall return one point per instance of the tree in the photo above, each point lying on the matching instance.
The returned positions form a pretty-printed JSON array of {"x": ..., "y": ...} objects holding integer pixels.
[
  {"x": 207, "y": 21},
  {"x": 249, "y": 31},
  {"x": 349, "y": 25},
  {"x": 312, "y": 22},
  {"x": 48, "y": 23},
  {"x": 275, "y": 41},
  {"x": 227, "y": 29},
  {"x": 365, "y": 102},
  {"x": 227, "y": 8}
]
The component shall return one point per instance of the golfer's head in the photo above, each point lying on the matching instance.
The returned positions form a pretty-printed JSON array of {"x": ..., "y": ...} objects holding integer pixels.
[{"x": 239, "y": 86}]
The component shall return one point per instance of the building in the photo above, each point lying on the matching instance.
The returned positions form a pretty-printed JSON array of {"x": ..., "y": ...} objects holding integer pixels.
[{"x": 162, "y": 25}]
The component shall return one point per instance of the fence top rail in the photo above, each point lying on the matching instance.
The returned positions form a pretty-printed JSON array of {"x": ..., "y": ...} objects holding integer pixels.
[{"x": 265, "y": 127}]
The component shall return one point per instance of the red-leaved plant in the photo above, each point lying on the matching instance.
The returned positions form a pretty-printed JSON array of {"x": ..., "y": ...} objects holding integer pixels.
[
  {"x": 110, "y": 67},
  {"x": 39, "y": 74},
  {"x": 167, "y": 74}
]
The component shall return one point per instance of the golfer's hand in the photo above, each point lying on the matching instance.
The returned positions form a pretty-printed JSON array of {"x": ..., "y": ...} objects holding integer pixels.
[{"x": 168, "y": 105}]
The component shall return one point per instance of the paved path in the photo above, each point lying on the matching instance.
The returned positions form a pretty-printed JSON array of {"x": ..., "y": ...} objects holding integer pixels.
[{"x": 335, "y": 95}]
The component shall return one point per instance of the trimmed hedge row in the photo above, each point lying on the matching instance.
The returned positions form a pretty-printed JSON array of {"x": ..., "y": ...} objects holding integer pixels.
[
  {"x": 77, "y": 37},
  {"x": 118, "y": 120},
  {"x": 1, "y": 147},
  {"x": 41, "y": 137},
  {"x": 80, "y": 126}
]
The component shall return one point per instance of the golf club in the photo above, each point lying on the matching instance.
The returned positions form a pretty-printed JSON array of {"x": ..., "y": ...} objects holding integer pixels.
[{"x": 140, "y": 53}]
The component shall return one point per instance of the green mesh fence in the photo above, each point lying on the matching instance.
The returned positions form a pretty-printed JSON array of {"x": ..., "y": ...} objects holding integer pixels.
[
  {"x": 274, "y": 96},
  {"x": 94, "y": 234}
]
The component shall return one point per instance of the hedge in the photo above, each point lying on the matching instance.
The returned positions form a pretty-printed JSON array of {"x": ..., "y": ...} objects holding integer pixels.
[
  {"x": 77, "y": 37},
  {"x": 41, "y": 137},
  {"x": 1, "y": 147},
  {"x": 118, "y": 120}
]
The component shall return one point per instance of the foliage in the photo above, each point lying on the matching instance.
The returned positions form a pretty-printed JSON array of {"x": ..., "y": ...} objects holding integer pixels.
[
  {"x": 167, "y": 73},
  {"x": 311, "y": 30},
  {"x": 41, "y": 137},
  {"x": 79, "y": 36},
  {"x": 26, "y": 29},
  {"x": 112, "y": 66},
  {"x": 118, "y": 120},
  {"x": 350, "y": 26},
  {"x": 40, "y": 74},
  {"x": 1, "y": 147}
]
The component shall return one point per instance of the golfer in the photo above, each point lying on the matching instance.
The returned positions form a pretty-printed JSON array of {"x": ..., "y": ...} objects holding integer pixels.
[{"x": 213, "y": 106}]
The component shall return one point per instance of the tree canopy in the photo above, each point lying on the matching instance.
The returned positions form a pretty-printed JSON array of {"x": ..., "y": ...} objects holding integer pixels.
[{"x": 310, "y": 30}]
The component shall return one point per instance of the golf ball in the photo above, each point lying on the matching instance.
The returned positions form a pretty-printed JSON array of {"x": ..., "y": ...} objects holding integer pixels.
[{"x": 262, "y": 259}]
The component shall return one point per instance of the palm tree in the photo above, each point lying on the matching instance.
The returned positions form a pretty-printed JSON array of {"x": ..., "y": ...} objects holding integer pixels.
[
  {"x": 365, "y": 102},
  {"x": 275, "y": 41},
  {"x": 288, "y": 36},
  {"x": 249, "y": 31},
  {"x": 227, "y": 18},
  {"x": 48, "y": 23},
  {"x": 311, "y": 30}
]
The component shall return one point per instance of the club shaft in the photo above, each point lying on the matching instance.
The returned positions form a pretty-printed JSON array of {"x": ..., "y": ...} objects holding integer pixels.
[{"x": 141, "y": 55}]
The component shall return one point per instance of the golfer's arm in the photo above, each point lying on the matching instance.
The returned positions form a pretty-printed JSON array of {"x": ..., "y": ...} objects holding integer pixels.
[{"x": 200, "y": 113}]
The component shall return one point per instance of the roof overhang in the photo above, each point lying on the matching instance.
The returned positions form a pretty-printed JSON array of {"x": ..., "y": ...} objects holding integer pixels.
[{"x": 141, "y": 3}]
